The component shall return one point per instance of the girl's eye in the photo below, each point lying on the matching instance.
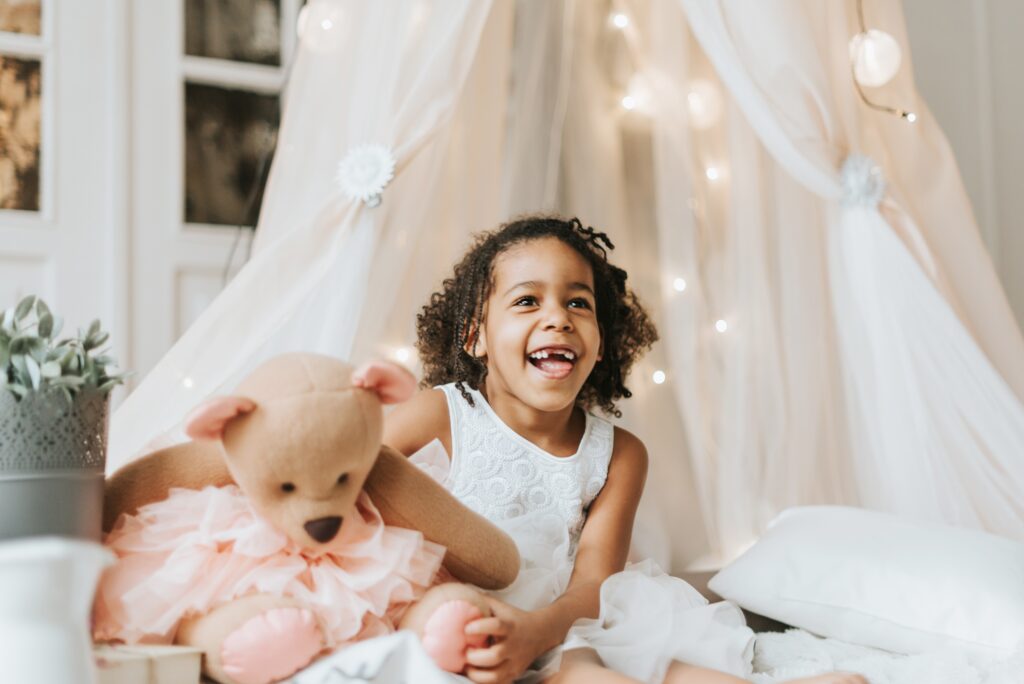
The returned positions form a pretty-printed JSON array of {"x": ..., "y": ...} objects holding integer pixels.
[
  {"x": 580, "y": 303},
  {"x": 525, "y": 301},
  {"x": 343, "y": 478},
  {"x": 287, "y": 487}
]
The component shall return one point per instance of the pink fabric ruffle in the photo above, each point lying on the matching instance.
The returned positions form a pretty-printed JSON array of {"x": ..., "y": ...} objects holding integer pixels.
[{"x": 197, "y": 550}]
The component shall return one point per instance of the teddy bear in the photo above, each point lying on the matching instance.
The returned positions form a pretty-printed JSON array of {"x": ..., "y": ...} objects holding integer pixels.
[{"x": 286, "y": 529}]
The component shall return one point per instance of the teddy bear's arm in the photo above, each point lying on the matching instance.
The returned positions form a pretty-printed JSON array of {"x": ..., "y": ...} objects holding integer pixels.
[
  {"x": 478, "y": 552},
  {"x": 192, "y": 465}
]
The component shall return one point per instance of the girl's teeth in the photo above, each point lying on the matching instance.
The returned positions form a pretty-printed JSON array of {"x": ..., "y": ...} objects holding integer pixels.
[{"x": 543, "y": 354}]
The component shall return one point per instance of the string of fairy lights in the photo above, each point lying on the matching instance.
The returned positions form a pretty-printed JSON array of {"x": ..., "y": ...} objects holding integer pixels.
[{"x": 875, "y": 59}]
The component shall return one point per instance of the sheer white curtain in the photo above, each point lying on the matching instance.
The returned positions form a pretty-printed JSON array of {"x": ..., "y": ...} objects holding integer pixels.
[
  {"x": 820, "y": 351},
  {"x": 928, "y": 350},
  {"x": 329, "y": 274}
]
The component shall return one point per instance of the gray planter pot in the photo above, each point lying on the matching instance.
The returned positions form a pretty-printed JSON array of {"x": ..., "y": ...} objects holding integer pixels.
[{"x": 52, "y": 456}]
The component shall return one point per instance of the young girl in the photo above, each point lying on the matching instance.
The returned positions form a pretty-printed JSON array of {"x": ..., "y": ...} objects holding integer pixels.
[{"x": 534, "y": 329}]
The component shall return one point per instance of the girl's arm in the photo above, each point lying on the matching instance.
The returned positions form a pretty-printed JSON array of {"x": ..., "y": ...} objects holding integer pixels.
[
  {"x": 413, "y": 424},
  {"x": 603, "y": 547}
]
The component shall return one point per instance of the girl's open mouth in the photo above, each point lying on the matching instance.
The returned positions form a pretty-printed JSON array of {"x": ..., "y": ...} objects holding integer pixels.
[{"x": 553, "y": 363}]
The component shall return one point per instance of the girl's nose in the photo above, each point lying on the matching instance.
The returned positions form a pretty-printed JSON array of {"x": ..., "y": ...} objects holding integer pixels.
[{"x": 558, "y": 319}]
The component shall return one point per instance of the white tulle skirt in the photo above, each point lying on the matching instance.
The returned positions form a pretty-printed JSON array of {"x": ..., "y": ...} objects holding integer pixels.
[{"x": 648, "y": 618}]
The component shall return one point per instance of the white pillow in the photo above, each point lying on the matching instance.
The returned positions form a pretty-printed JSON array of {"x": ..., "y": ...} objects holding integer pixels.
[{"x": 880, "y": 580}]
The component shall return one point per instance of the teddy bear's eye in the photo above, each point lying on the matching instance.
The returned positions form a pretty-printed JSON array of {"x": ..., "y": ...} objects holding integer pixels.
[
  {"x": 343, "y": 478},
  {"x": 287, "y": 487}
]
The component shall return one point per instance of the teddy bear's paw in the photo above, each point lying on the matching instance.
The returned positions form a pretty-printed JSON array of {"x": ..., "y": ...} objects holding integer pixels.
[
  {"x": 271, "y": 646},
  {"x": 444, "y": 634}
]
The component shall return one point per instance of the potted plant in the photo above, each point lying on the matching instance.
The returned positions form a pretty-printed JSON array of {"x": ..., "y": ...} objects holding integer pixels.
[{"x": 54, "y": 409}]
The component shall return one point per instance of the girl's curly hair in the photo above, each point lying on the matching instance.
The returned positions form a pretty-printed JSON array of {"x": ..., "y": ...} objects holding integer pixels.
[{"x": 446, "y": 326}]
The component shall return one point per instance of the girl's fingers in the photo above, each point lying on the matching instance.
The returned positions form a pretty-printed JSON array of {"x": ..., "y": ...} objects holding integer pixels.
[
  {"x": 486, "y": 657},
  {"x": 485, "y": 676},
  {"x": 493, "y": 626}
]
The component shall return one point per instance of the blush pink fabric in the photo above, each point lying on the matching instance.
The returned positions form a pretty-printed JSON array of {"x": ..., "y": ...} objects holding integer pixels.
[
  {"x": 444, "y": 635},
  {"x": 199, "y": 549},
  {"x": 271, "y": 646}
]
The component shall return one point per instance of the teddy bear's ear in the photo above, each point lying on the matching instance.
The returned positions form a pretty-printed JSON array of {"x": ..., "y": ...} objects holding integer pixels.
[
  {"x": 209, "y": 420},
  {"x": 391, "y": 382}
]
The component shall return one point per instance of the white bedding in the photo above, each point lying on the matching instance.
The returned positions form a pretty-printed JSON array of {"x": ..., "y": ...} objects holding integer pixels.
[
  {"x": 399, "y": 659},
  {"x": 795, "y": 653}
]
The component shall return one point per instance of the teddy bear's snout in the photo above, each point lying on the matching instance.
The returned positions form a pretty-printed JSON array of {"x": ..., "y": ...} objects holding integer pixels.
[{"x": 323, "y": 529}]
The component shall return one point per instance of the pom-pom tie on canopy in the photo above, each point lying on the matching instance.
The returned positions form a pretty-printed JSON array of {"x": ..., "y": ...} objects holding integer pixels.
[
  {"x": 365, "y": 171},
  {"x": 862, "y": 180}
]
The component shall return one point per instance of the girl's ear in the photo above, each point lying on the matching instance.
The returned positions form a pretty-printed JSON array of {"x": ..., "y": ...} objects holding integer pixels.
[
  {"x": 391, "y": 382},
  {"x": 208, "y": 421},
  {"x": 476, "y": 342}
]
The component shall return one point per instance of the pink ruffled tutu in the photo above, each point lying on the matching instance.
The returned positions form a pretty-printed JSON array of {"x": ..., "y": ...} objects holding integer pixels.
[{"x": 199, "y": 549}]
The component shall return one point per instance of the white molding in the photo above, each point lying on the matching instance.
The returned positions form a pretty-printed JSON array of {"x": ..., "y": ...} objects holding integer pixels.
[
  {"x": 120, "y": 192},
  {"x": 20, "y": 45},
  {"x": 289, "y": 26},
  {"x": 236, "y": 75},
  {"x": 986, "y": 132}
]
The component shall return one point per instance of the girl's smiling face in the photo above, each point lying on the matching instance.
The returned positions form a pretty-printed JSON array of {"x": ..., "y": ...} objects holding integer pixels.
[{"x": 540, "y": 334}]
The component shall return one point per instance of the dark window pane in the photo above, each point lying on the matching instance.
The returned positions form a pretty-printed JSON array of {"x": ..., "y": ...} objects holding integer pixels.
[
  {"x": 19, "y": 16},
  {"x": 229, "y": 137},
  {"x": 20, "y": 108},
  {"x": 240, "y": 30}
]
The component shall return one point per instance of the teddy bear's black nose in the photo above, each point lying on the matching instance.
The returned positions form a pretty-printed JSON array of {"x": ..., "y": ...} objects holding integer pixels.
[{"x": 323, "y": 529}]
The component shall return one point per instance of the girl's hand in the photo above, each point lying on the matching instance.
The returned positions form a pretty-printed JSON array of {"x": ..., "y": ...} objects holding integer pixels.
[{"x": 516, "y": 638}]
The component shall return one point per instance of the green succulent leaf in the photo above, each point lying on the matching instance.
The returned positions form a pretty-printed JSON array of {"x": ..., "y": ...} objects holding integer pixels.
[
  {"x": 24, "y": 307},
  {"x": 50, "y": 370},
  {"x": 20, "y": 367},
  {"x": 34, "y": 373},
  {"x": 31, "y": 360},
  {"x": 67, "y": 381},
  {"x": 45, "y": 326},
  {"x": 58, "y": 325},
  {"x": 20, "y": 344},
  {"x": 109, "y": 385}
]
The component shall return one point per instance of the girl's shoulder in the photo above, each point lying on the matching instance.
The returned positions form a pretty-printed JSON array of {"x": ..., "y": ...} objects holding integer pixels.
[
  {"x": 628, "y": 452},
  {"x": 415, "y": 423}
]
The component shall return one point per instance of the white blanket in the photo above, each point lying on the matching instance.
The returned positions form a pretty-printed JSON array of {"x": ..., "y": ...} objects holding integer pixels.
[
  {"x": 795, "y": 653},
  {"x": 399, "y": 659}
]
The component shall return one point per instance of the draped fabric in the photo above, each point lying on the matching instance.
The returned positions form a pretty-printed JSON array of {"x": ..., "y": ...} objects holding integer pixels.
[{"x": 825, "y": 349}]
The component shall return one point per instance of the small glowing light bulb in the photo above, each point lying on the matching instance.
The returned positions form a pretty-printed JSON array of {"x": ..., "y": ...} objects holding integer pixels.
[
  {"x": 704, "y": 104},
  {"x": 679, "y": 284},
  {"x": 316, "y": 26},
  {"x": 629, "y": 102},
  {"x": 620, "y": 20},
  {"x": 403, "y": 354},
  {"x": 911, "y": 117},
  {"x": 658, "y": 377},
  {"x": 187, "y": 382},
  {"x": 876, "y": 57},
  {"x": 713, "y": 173},
  {"x": 721, "y": 326}
]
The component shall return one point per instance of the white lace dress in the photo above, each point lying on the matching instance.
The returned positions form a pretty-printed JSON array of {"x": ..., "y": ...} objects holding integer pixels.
[{"x": 647, "y": 618}]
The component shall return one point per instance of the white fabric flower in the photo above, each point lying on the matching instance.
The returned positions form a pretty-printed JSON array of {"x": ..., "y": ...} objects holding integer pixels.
[
  {"x": 365, "y": 171},
  {"x": 862, "y": 180}
]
